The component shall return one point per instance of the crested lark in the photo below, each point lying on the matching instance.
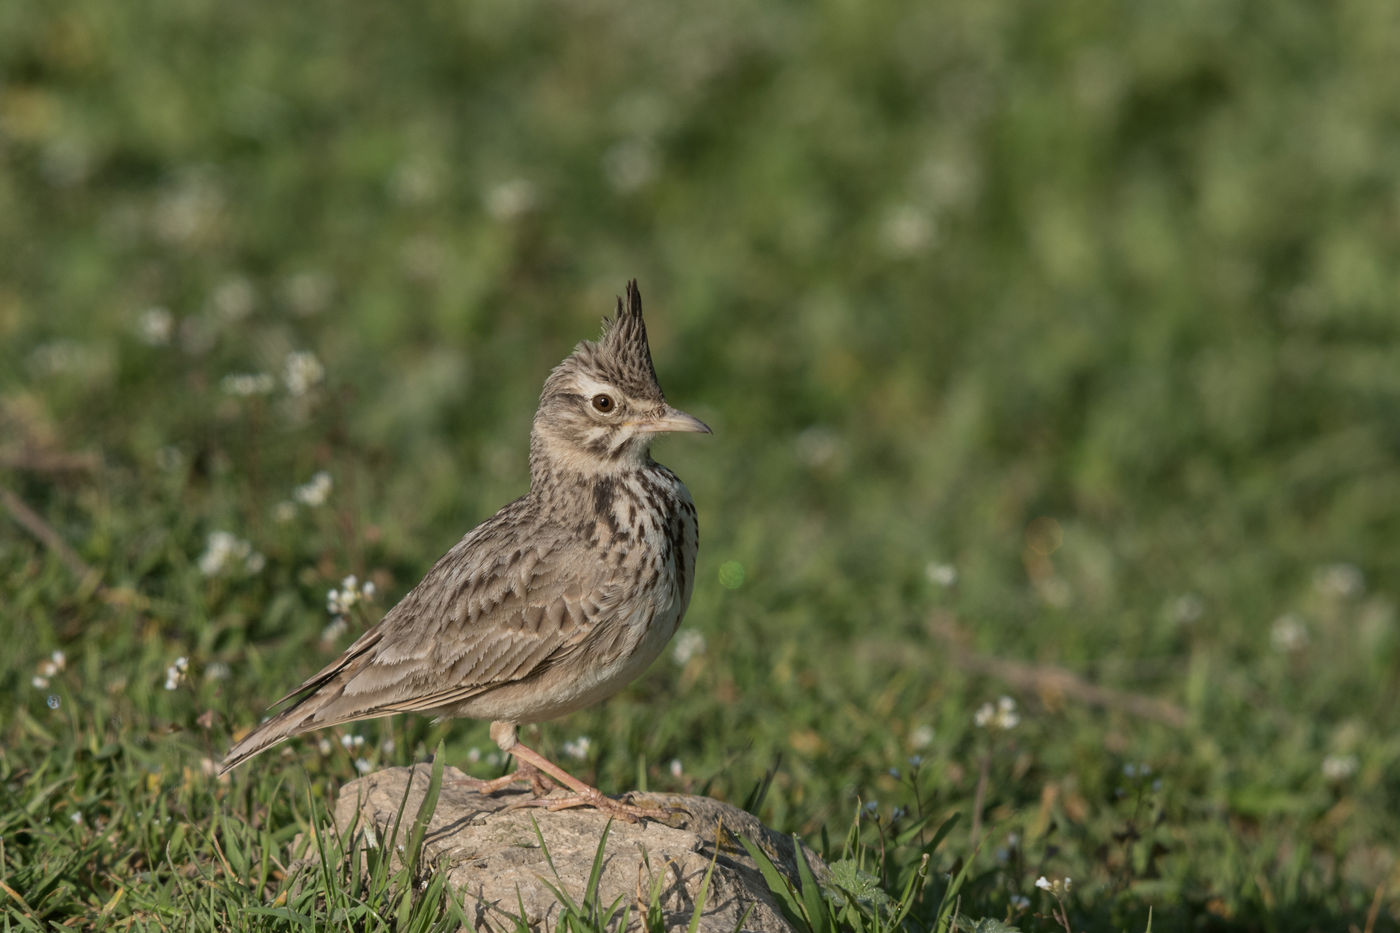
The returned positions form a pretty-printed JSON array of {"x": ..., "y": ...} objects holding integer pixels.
[{"x": 554, "y": 603}]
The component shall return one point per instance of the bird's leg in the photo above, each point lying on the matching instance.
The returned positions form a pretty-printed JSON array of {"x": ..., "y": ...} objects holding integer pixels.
[
  {"x": 536, "y": 780},
  {"x": 584, "y": 795},
  {"x": 529, "y": 761},
  {"x": 503, "y": 734},
  {"x": 539, "y": 783}
]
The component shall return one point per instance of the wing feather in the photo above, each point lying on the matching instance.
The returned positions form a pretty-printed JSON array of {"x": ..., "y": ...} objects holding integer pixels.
[{"x": 507, "y": 601}]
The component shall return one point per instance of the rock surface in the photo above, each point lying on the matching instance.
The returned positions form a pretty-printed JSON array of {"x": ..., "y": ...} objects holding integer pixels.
[{"x": 492, "y": 854}]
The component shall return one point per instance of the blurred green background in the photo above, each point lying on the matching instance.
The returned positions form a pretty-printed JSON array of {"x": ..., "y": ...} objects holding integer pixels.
[{"x": 1034, "y": 336}]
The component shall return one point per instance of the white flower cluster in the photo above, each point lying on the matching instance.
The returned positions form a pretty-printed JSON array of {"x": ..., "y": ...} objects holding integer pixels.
[
  {"x": 1337, "y": 768},
  {"x": 1343, "y": 581},
  {"x": 351, "y": 593},
  {"x": 1001, "y": 716},
  {"x": 922, "y": 736},
  {"x": 48, "y": 668},
  {"x": 246, "y": 385},
  {"x": 225, "y": 554},
  {"x": 301, "y": 372},
  {"x": 686, "y": 646},
  {"x": 578, "y": 748},
  {"x": 1289, "y": 633},
  {"x": 940, "y": 573},
  {"x": 156, "y": 326},
  {"x": 316, "y": 491},
  {"x": 1058, "y": 887},
  {"x": 175, "y": 673}
]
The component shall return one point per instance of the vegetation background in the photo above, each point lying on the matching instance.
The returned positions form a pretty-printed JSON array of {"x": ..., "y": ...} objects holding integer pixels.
[{"x": 1052, "y": 351}]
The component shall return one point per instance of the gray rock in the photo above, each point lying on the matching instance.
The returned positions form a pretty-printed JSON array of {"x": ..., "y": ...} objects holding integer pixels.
[{"x": 492, "y": 855}]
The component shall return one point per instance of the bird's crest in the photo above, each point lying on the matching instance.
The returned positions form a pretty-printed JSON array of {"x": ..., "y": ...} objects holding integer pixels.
[{"x": 622, "y": 353}]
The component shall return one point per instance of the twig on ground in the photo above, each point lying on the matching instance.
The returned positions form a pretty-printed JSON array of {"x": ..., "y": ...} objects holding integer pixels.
[
  {"x": 1052, "y": 680},
  {"x": 34, "y": 523},
  {"x": 46, "y": 461}
]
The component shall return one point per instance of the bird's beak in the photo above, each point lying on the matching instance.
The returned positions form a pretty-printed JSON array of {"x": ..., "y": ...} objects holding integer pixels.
[{"x": 673, "y": 419}]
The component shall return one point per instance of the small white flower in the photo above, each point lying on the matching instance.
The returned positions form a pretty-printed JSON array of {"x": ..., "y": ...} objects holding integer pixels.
[
  {"x": 1337, "y": 768},
  {"x": 1043, "y": 883},
  {"x": 1020, "y": 901},
  {"x": 510, "y": 199},
  {"x": 225, "y": 553},
  {"x": 53, "y": 664},
  {"x": 246, "y": 385},
  {"x": 40, "y": 682},
  {"x": 301, "y": 372},
  {"x": 352, "y": 741},
  {"x": 818, "y": 445},
  {"x": 362, "y": 765},
  {"x": 1002, "y": 716},
  {"x": 941, "y": 574},
  {"x": 1288, "y": 633},
  {"x": 907, "y": 230},
  {"x": 922, "y": 736},
  {"x": 316, "y": 491},
  {"x": 473, "y": 755},
  {"x": 341, "y": 601},
  {"x": 334, "y": 629},
  {"x": 324, "y": 746},
  {"x": 687, "y": 645},
  {"x": 156, "y": 326},
  {"x": 578, "y": 748},
  {"x": 1343, "y": 581},
  {"x": 676, "y": 768},
  {"x": 234, "y": 298},
  {"x": 175, "y": 673},
  {"x": 1187, "y": 608}
]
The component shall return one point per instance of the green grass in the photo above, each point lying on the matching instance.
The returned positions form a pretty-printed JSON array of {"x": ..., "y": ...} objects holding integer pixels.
[{"x": 1034, "y": 337}]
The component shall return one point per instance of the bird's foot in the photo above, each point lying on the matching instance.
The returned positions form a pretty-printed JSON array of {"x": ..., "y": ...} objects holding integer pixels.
[
  {"x": 599, "y": 801},
  {"x": 540, "y": 784},
  {"x": 584, "y": 795}
]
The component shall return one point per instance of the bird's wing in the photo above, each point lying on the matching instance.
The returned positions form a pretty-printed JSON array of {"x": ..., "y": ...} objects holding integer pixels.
[{"x": 500, "y": 607}]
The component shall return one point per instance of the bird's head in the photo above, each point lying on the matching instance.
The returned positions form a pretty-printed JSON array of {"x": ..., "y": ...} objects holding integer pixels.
[{"x": 601, "y": 407}]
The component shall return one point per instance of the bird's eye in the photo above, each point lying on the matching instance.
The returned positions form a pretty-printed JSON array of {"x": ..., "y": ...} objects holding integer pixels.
[{"x": 603, "y": 403}]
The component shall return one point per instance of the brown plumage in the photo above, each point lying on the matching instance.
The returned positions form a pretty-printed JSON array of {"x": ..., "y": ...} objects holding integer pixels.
[{"x": 558, "y": 600}]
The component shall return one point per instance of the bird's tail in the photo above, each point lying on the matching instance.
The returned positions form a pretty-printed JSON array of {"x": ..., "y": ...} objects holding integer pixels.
[{"x": 283, "y": 726}]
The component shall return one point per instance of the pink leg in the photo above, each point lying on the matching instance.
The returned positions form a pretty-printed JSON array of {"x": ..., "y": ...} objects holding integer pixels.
[{"x": 584, "y": 795}]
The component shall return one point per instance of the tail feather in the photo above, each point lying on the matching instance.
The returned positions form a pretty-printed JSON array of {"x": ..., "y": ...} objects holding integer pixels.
[
  {"x": 279, "y": 728},
  {"x": 308, "y": 713}
]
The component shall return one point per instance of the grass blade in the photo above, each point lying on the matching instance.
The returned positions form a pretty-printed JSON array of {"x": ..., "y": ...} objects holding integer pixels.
[{"x": 778, "y": 885}]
